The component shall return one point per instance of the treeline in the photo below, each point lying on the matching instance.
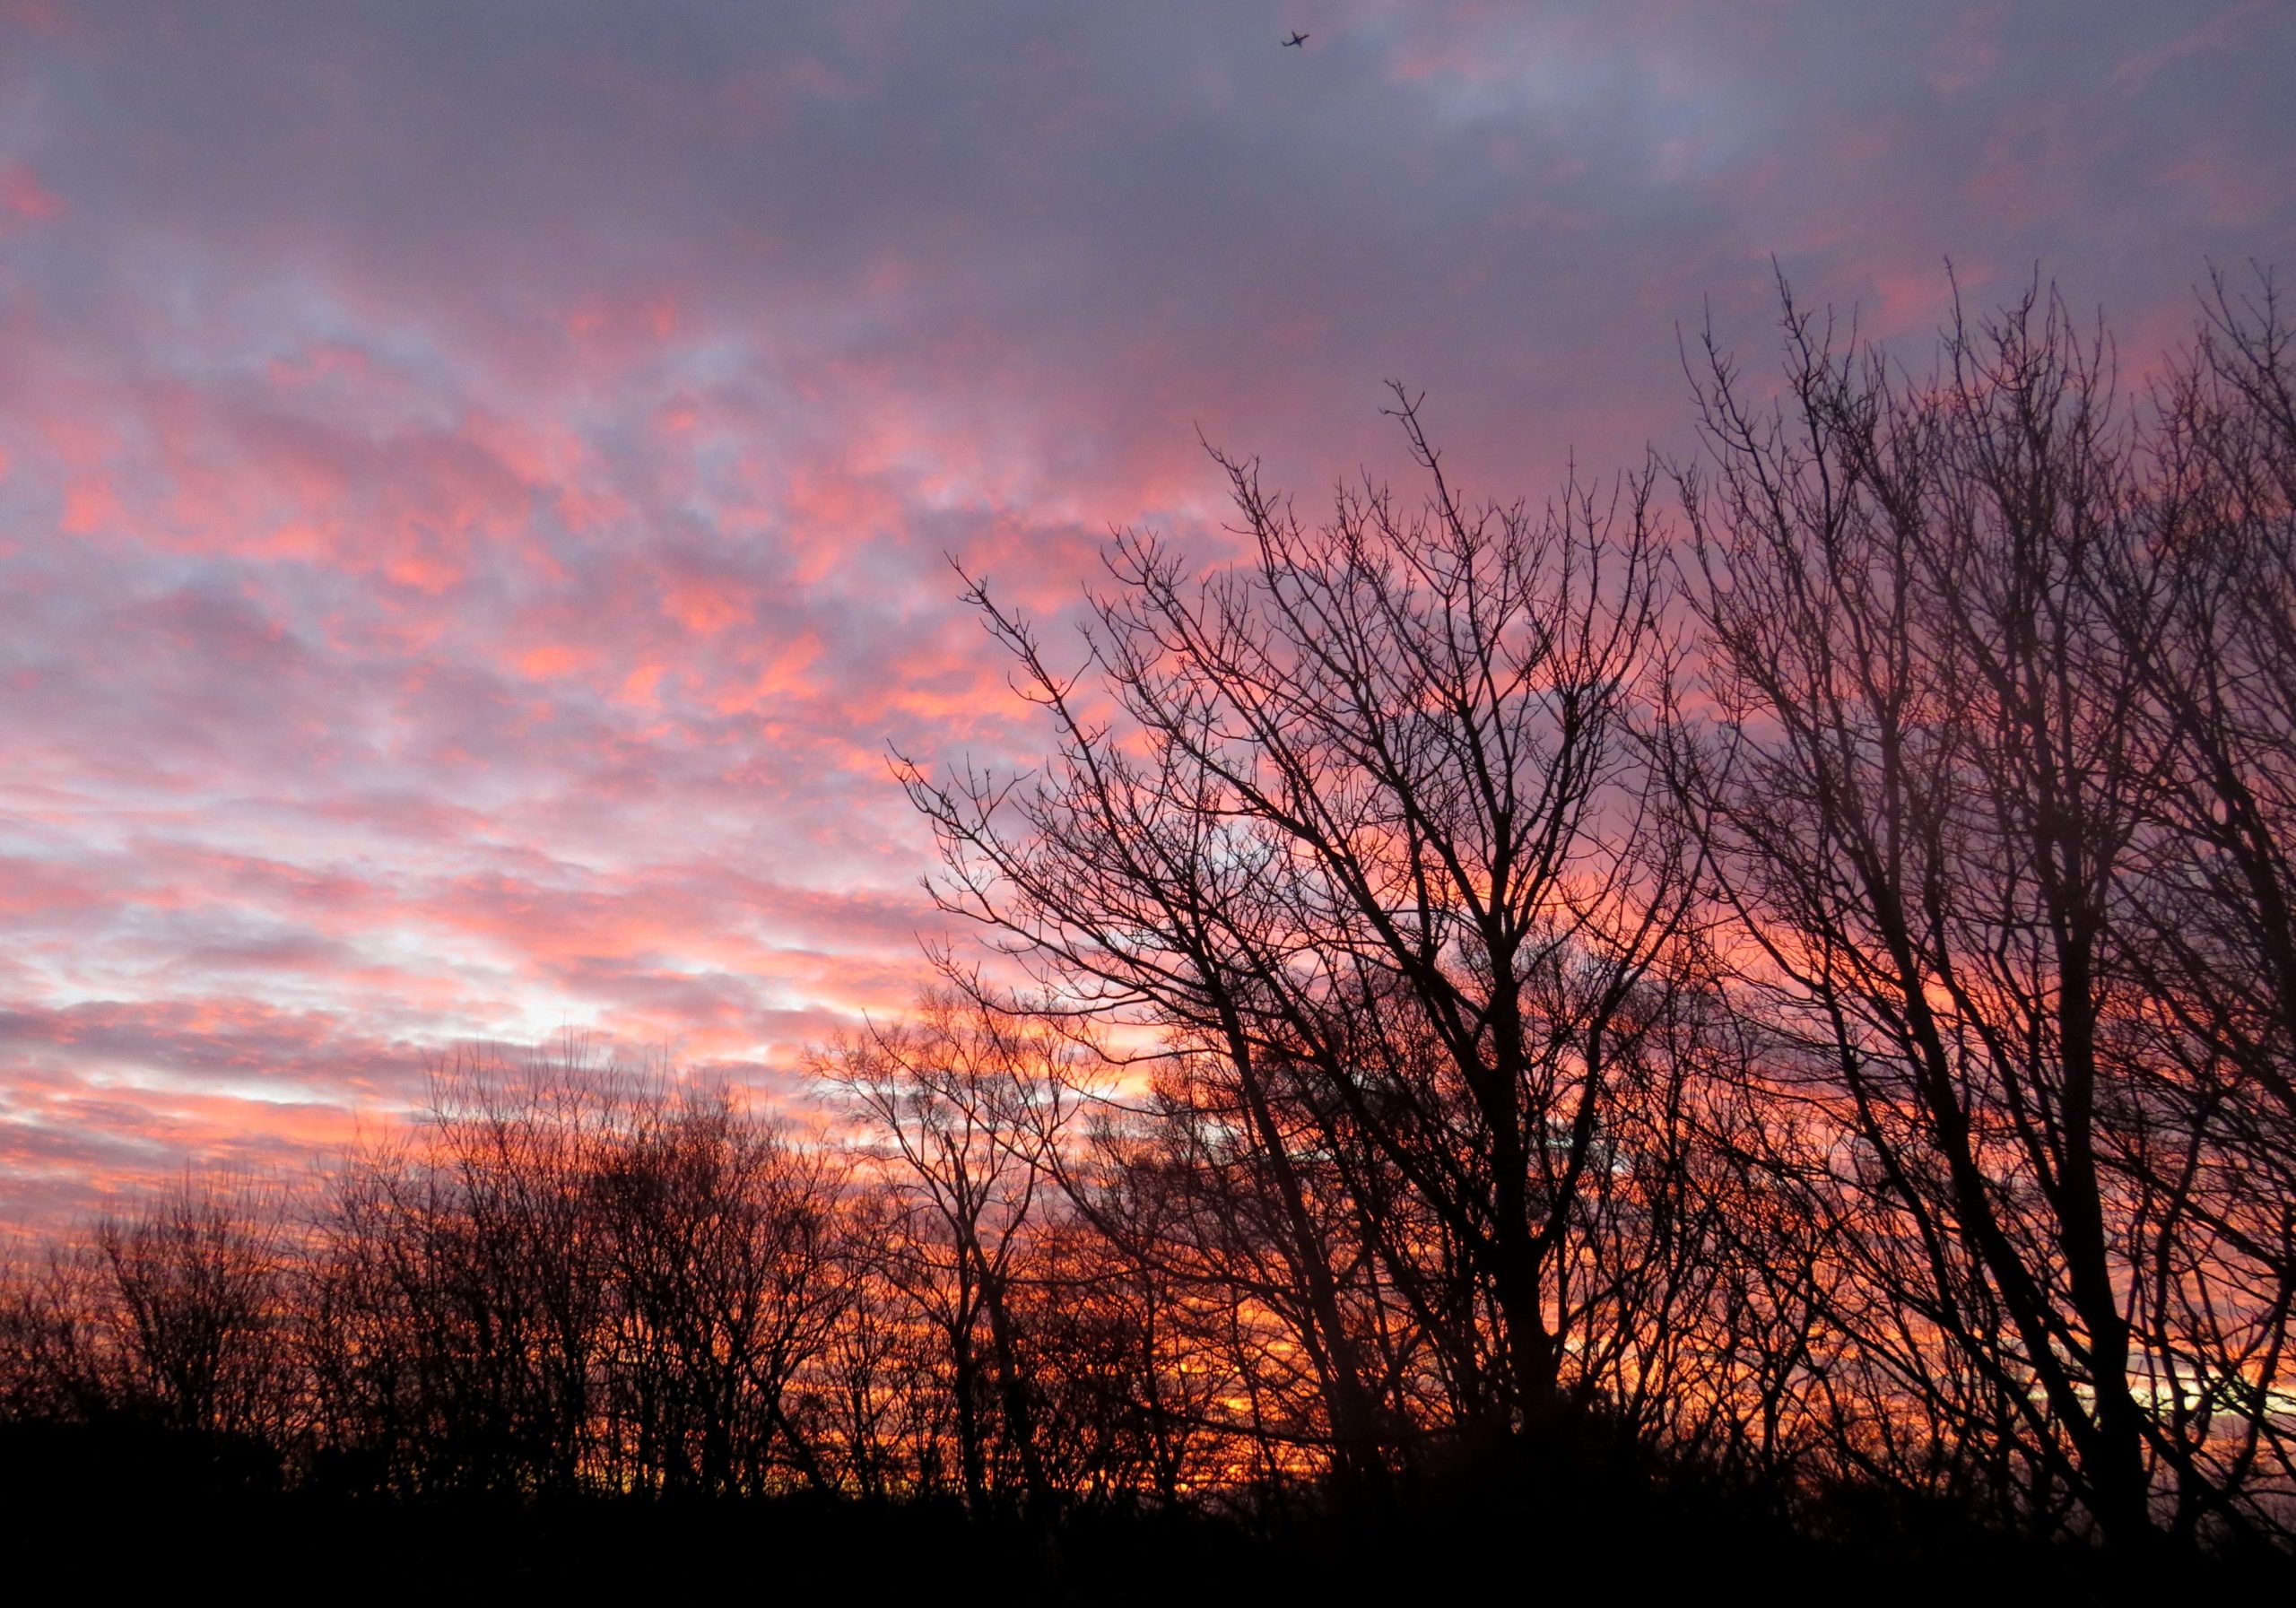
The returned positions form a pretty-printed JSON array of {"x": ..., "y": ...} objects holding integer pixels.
[{"x": 1777, "y": 974}]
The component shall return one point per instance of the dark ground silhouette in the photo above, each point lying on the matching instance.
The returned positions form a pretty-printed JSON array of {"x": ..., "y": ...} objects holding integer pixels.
[{"x": 128, "y": 1507}]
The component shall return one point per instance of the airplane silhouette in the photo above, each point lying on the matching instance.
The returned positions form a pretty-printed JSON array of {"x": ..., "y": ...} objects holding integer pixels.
[{"x": 1295, "y": 41}]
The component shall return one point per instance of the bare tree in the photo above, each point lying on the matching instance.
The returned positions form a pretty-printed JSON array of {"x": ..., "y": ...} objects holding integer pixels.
[
  {"x": 947, "y": 1097},
  {"x": 195, "y": 1303},
  {"x": 1358, "y": 822},
  {"x": 718, "y": 1235},
  {"x": 1927, "y": 796}
]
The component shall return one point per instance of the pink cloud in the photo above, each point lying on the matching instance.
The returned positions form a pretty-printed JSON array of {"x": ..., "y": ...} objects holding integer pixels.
[
  {"x": 22, "y": 193},
  {"x": 477, "y": 506}
]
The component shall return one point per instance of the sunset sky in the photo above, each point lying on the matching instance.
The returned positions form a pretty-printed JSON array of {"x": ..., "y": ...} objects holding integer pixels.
[{"x": 476, "y": 479}]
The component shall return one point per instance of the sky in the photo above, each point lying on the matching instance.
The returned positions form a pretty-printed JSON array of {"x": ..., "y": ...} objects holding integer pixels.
[{"x": 478, "y": 484}]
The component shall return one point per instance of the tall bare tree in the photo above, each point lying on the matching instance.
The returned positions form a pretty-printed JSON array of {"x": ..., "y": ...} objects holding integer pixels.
[
  {"x": 1359, "y": 817},
  {"x": 1934, "y": 760}
]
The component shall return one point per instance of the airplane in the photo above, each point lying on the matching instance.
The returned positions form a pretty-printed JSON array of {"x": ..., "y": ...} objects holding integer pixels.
[{"x": 1295, "y": 41}]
